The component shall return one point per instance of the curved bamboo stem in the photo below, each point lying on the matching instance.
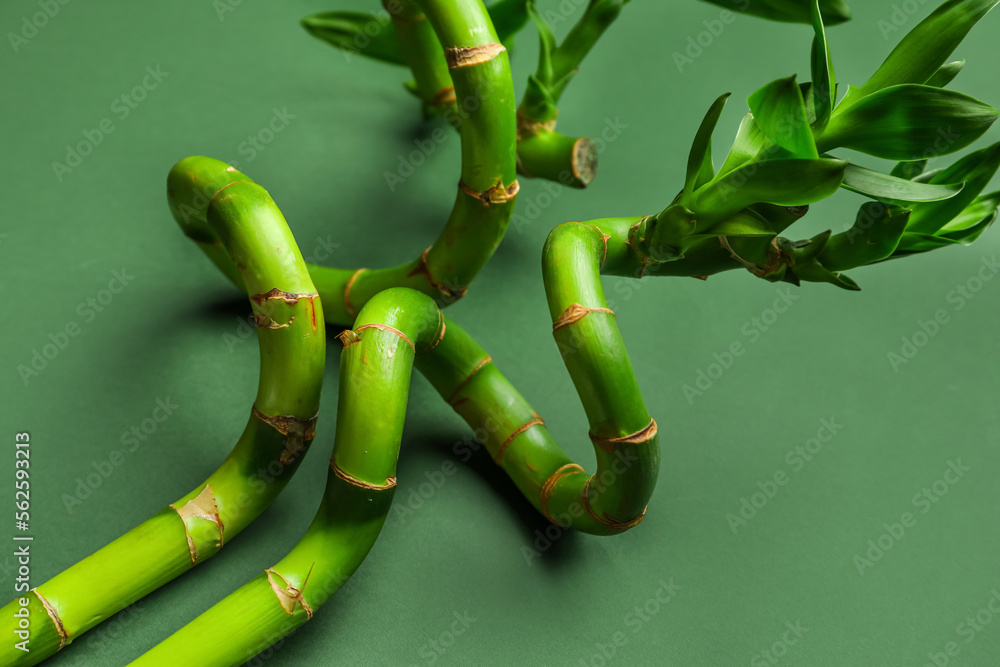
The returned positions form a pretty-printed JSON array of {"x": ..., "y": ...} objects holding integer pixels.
[
  {"x": 376, "y": 365},
  {"x": 281, "y": 426}
]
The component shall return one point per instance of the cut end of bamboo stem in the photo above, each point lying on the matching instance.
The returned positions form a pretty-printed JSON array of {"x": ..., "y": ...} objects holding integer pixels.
[{"x": 584, "y": 162}]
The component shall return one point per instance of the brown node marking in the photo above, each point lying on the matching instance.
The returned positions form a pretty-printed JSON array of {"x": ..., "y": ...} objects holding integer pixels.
[
  {"x": 289, "y": 596},
  {"x": 529, "y": 127},
  {"x": 604, "y": 240},
  {"x": 264, "y": 321},
  {"x": 440, "y": 336},
  {"x": 298, "y": 432},
  {"x": 498, "y": 194},
  {"x": 291, "y": 298},
  {"x": 536, "y": 421},
  {"x": 479, "y": 367},
  {"x": 390, "y": 482},
  {"x": 219, "y": 191},
  {"x": 202, "y": 506},
  {"x": 632, "y": 231},
  {"x": 422, "y": 270},
  {"x": 347, "y": 292},
  {"x": 638, "y": 438},
  {"x": 550, "y": 485},
  {"x": 444, "y": 96},
  {"x": 468, "y": 56},
  {"x": 700, "y": 277},
  {"x": 758, "y": 271},
  {"x": 231, "y": 168},
  {"x": 54, "y": 616},
  {"x": 605, "y": 519},
  {"x": 392, "y": 330},
  {"x": 575, "y": 313},
  {"x": 348, "y": 338}
]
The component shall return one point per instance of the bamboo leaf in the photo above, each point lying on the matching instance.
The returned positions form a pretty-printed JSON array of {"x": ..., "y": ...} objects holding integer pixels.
[
  {"x": 508, "y": 17},
  {"x": 780, "y": 113},
  {"x": 873, "y": 237},
  {"x": 909, "y": 122},
  {"x": 547, "y": 44},
  {"x": 700, "y": 169},
  {"x": 909, "y": 170},
  {"x": 973, "y": 214},
  {"x": 890, "y": 188},
  {"x": 976, "y": 170},
  {"x": 746, "y": 223},
  {"x": 823, "y": 79},
  {"x": 792, "y": 11},
  {"x": 925, "y": 48},
  {"x": 351, "y": 32},
  {"x": 946, "y": 74},
  {"x": 749, "y": 141},
  {"x": 793, "y": 182}
]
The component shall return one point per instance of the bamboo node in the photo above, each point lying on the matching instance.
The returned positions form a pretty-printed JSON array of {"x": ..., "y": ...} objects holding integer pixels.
[
  {"x": 441, "y": 328},
  {"x": 550, "y": 486},
  {"x": 298, "y": 432},
  {"x": 469, "y": 56},
  {"x": 536, "y": 421},
  {"x": 54, "y": 616},
  {"x": 605, "y": 519},
  {"x": 347, "y": 292},
  {"x": 288, "y": 596},
  {"x": 444, "y": 96},
  {"x": 638, "y": 438},
  {"x": 348, "y": 338},
  {"x": 529, "y": 127},
  {"x": 202, "y": 506},
  {"x": 498, "y": 194},
  {"x": 390, "y": 482},
  {"x": 291, "y": 298},
  {"x": 479, "y": 367},
  {"x": 264, "y": 321},
  {"x": 392, "y": 330},
  {"x": 575, "y": 313}
]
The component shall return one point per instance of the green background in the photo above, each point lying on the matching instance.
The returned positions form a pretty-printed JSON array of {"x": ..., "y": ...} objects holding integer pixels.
[{"x": 165, "y": 336}]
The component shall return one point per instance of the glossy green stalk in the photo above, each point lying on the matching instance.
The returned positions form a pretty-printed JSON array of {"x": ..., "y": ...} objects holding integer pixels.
[
  {"x": 424, "y": 55},
  {"x": 375, "y": 369},
  {"x": 281, "y": 426}
]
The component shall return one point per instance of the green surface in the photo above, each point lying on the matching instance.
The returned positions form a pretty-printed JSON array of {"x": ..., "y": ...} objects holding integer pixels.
[{"x": 176, "y": 333}]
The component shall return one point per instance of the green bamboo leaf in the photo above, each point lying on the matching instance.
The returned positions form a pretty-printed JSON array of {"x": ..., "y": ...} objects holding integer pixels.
[
  {"x": 749, "y": 141},
  {"x": 792, "y": 11},
  {"x": 815, "y": 272},
  {"x": 547, "y": 44},
  {"x": 973, "y": 214},
  {"x": 909, "y": 170},
  {"x": 976, "y": 170},
  {"x": 909, "y": 122},
  {"x": 889, "y": 188},
  {"x": 914, "y": 242},
  {"x": 874, "y": 236},
  {"x": 946, "y": 74},
  {"x": 700, "y": 169},
  {"x": 823, "y": 79},
  {"x": 780, "y": 218},
  {"x": 780, "y": 113},
  {"x": 925, "y": 48},
  {"x": 793, "y": 182},
  {"x": 746, "y": 223},
  {"x": 351, "y": 32}
]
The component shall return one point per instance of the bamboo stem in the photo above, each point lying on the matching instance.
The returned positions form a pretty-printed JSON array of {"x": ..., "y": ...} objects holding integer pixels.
[
  {"x": 291, "y": 333},
  {"x": 376, "y": 365}
]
